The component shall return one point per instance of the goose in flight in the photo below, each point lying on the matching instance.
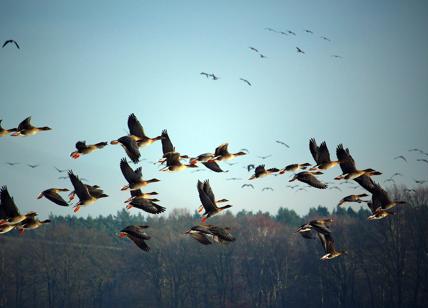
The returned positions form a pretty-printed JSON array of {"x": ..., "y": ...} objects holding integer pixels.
[
  {"x": 327, "y": 243},
  {"x": 294, "y": 168},
  {"x": 205, "y": 74},
  {"x": 253, "y": 49},
  {"x": 207, "y": 234},
  {"x": 222, "y": 153},
  {"x": 60, "y": 170},
  {"x": 299, "y": 50},
  {"x": 267, "y": 188},
  {"x": 208, "y": 201},
  {"x": 134, "y": 177},
  {"x": 247, "y": 185},
  {"x": 86, "y": 197},
  {"x": 25, "y": 128},
  {"x": 309, "y": 178},
  {"x": 145, "y": 204},
  {"x": 260, "y": 171},
  {"x": 282, "y": 143},
  {"x": 52, "y": 194},
  {"x": 9, "y": 213},
  {"x": 353, "y": 198},
  {"x": 173, "y": 163},
  {"x": 83, "y": 149},
  {"x": 337, "y": 56},
  {"x": 136, "y": 132},
  {"x": 325, "y": 38},
  {"x": 309, "y": 31},
  {"x": 33, "y": 166},
  {"x": 12, "y": 163},
  {"x": 4, "y": 132},
  {"x": 31, "y": 223},
  {"x": 291, "y": 32},
  {"x": 137, "y": 235},
  {"x": 422, "y": 160},
  {"x": 246, "y": 81},
  {"x": 10, "y": 42},
  {"x": 130, "y": 146},
  {"x": 401, "y": 157},
  {"x": 321, "y": 156}
]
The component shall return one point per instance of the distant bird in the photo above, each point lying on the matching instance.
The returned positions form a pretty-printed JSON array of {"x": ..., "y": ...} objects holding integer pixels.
[
  {"x": 9, "y": 213},
  {"x": 267, "y": 188},
  {"x": 222, "y": 153},
  {"x": 264, "y": 157},
  {"x": 247, "y": 185},
  {"x": 309, "y": 31},
  {"x": 292, "y": 186},
  {"x": 12, "y": 163},
  {"x": 325, "y": 38},
  {"x": 133, "y": 177},
  {"x": 282, "y": 143},
  {"x": 205, "y": 74},
  {"x": 421, "y": 182},
  {"x": 10, "y": 42},
  {"x": 253, "y": 49},
  {"x": 270, "y": 29},
  {"x": 401, "y": 157},
  {"x": 167, "y": 146},
  {"x": 207, "y": 198},
  {"x": 353, "y": 198},
  {"x": 231, "y": 164},
  {"x": 233, "y": 179},
  {"x": 291, "y": 32},
  {"x": 310, "y": 179},
  {"x": 145, "y": 204},
  {"x": 327, "y": 243},
  {"x": 130, "y": 146},
  {"x": 32, "y": 166},
  {"x": 262, "y": 56},
  {"x": 260, "y": 171},
  {"x": 250, "y": 167},
  {"x": 136, "y": 132},
  {"x": 246, "y": 81},
  {"x": 4, "y": 132},
  {"x": 203, "y": 234},
  {"x": 283, "y": 33},
  {"x": 137, "y": 235},
  {"x": 25, "y": 128},
  {"x": 381, "y": 199},
  {"x": 299, "y": 50},
  {"x": 321, "y": 156},
  {"x": 294, "y": 168},
  {"x": 423, "y": 160},
  {"x": 60, "y": 170},
  {"x": 350, "y": 172},
  {"x": 337, "y": 56},
  {"x": 173, "y": 163},
  {"x": 214, "y": 77},
  {"x": 52, "y": 194},
  {"x": 83, "y": 149},
  {"x": 81, "y": 190},
  {"x": 416, "y": 150}
]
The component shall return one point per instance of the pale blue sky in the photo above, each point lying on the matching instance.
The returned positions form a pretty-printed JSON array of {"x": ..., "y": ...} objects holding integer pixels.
[{"x": 84, "y": 66}]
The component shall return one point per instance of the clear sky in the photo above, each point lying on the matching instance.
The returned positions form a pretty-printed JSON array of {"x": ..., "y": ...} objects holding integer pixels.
[{"x": 84, "y": 66}]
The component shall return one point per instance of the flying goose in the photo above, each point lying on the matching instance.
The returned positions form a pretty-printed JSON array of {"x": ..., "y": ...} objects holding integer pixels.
[
  {"x": 25, "y": 128},
  {"x": 137, "y": 235},
  {"x": 208, "y": 201},
  {"x": 83, "y": 149}
]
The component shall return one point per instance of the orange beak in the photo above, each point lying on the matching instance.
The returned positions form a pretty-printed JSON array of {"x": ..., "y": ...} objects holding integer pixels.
[{"x": 122, "y": 234}]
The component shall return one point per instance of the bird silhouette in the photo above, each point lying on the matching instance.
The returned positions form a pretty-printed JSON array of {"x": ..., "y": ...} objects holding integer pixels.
[
  {"x": 401, "y": 157},
  {"x": 10, "y": 42},
  {"x": 299, "y": 50},
  {"x": 248, "y": 185},
  {"x": 282, "y": 143},
  {"x": 246, "y": 81}
]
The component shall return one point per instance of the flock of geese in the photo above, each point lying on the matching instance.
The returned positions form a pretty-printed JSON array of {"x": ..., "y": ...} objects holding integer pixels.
[{"x": 381, "y": 204}]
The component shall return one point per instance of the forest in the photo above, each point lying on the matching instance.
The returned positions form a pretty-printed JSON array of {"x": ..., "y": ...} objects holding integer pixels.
[{"x": 76, "y": 262}]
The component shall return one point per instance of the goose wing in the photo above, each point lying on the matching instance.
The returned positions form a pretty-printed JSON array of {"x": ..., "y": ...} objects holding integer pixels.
[
  {"x": 9, "y": 208},
  {"x": 311, "y": 180},
  {"x": 135, "y": 127},
  {"x": 212, "y": 165},
  {"x": 221, "y": 150},
  {"x": 131, "y": 148},
  {"x": 26, "y": 124},
  {"x": 130, "y": 175},
  {"x": 323, "y": 153},
  {"x": 206, "y": 201},
  {"x": 167, "y": 145},
  {"x": 54, "y": 197},
  {"x": 79, "y": 188},
  {"x": 313, "y": 147}
]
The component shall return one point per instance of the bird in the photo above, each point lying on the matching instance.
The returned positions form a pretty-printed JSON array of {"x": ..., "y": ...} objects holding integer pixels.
[
  {"x": 168, "y": 147},
  {"x": 82, "y": 191},
  {"x": 309, "y": 31},
  {"x": 205, "y": 74},
  {"x": 134, "y": 177},
  {"x": 208, "y": 201},
  {"x": 401, "y": 157},
  {"x": 267, "y": 188},
  {"x": 325, "y": 38},
  {"x": 246, "y": 81},
  {"x": 291, "y": 32},
  {"x": 299, "y": 50},
  {"x": 137, "y": 235},
  {"x": 292, "y": 186},
  {"x": 350, "y": 172},
  {"x": 422, "y": 160},
  {"x": 136, "y": 132},
  {"x": 270, "y": 29},
  {"x": 421, "y": 182},
  {"x": 327, "y": 243},
  {"x": 253, "y": 49},
  {"x": 9, "y": 213},
  {"x": 310, "y": 179},
  {"x": 12, "y": 163},
  {"x": 415, "y": 150},
  {"x": 145, "y": 204},
  {"x": 380, "y": 214},
  {"x": 214, "y": 77},
  {"x": 264, "y": 157},
  {"x": 337, "y": 56},
  {"x": 94, "y": 190},
  {"x": 10, "y": 42},
  {"x": 318, "y": 225},
  {"x": 282, "y": 143},
  {"x": 32, "y": 166},
  {"x": 130, "y": 146},
  {"x": 83, "y": 149},
  {"x": 221, "y": 153},
  {"x": 201, "y": 158},
  {"x": 262, "y": 56},
  {"x": 31, "y": 223},
  {"x": 353, "y": 198},
  {"x": 52, "y": 194},
  {"x": 247, "y": 185},
  {"x": 25, "y": 128},
  {"x": 173, "y": 163},
  {"x": 233, "y": 179},
  {"x": 203, "y": 233},
  {"x": 4, "y": 132},
  {"x": 294, "y": 167},
  {"x": 138, "y": 194},
  {"x": 250, "y": 167},
  {"x": 381, "y": 199},
  {"x": 60, "y": 170},
  {"x": 260, "y": 171},
  {"x": 321, "y": 156}
]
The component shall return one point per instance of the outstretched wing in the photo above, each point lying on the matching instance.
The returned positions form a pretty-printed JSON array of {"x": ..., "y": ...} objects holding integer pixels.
[
  {"x": 135, "y": 127},
  {"x": 7, "y": 204},
  {"x": 130, "y": 175}
]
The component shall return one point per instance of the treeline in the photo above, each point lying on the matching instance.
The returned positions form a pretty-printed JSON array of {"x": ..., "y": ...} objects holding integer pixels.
[{"x": 75, "y": 262}]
